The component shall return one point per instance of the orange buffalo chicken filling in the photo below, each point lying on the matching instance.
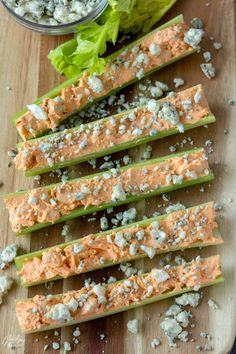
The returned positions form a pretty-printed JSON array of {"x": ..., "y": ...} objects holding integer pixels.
[
  {"x": 155, "y": 50},
  {"x": 93, "y": 300},
  {"x": 179, "y": 229},
  {"x": 189, "y": 106},
  {"x": 42, "y": 205}
]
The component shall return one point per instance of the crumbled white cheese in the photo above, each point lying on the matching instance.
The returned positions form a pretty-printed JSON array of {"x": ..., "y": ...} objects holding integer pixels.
[
  {"x": 7, "y": 255},
  {"x": 139, "y": 235},
  {"x": 100, "y": 291},
  {"x": 191, "y": 299},
  {"x": 12, "y": 153},
  {"x": 55, "y": 345},
  {"x": 133, "y": 249},
  {"x": 132, "y": 326},
  {"x": 52, "y": 12},
  {"x": 197, "y": 23},
  {"x": 77, "y": 248},
  {"x": 111, "y": 279},
  {"x": 177, "y": 179},
  {"x": 154, "y": 49},
  {"x": 169, "y": 113},
  {"x": 217, "y": 45},
  {"x": 183, "y": 336},
  {"x": 212, "y": 304},
  {"x": 95, "y": 83},
  {"x": 160, "y": 275},
  {"x": 128, "y": 216},
  {"x": 173, "y": 310},
  {"x": 164, "y": 87},
  {"x": 178, "y": 82},
  {"x": 5, "y": 285},
  {"x": 208, "y": 70},
  {"x": 198, "y": 96},
  {"x": 193, "y": 37},
  {"x": 32, "y": 200},
  {"x": 59, "y": 313},
  {"x": 171, "y": 329},
  {"x": 155, "y": 343},
  {"x": 207, "y": 56},
  {"x": 118, "y": 193},
  {"x": 147, "y": 153},
  {"x": 67, "y": 347},
  {"x": 65, "y": 230},
  {"x": 77, "y": 332},
  {"x": 174, "y": 207},
  {"x": 104, "y": 223},
  {"x": 120, "y": 241},
  {"x": 148, "y": 250},
  {"x": 73, "y": 304},
  {"x": 37, "y": 111},
  {"x": 183, "y": 318},
  {"x": 156, "y": 91},
  {"x": 153, "y": 106}
]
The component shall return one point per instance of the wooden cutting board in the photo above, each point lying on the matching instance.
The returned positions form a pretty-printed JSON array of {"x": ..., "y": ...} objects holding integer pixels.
[{"x": 26, "y": 70}]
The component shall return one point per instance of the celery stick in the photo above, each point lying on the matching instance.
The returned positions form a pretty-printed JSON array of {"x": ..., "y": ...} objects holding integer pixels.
[
  {"x": 150, "y": 300},
  {"x": 19, "y": 261},
  {"x": 91, "y": 209},
  {"x": 118, "y": 147},
  {"x": 73, "y": 81}
]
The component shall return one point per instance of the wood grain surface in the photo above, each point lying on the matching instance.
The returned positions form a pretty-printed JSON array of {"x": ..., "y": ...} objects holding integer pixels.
[{"x": 27, "y": 71}]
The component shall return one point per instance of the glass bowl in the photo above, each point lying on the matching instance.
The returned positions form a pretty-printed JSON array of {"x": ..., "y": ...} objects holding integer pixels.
[{"x": 58, "y": 29}]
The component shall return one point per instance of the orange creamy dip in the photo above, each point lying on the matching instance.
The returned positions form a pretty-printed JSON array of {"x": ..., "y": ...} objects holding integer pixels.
[
  {"x": 43, "y": 205},
  {"x": 106, "y": 133},
  {"x": 180, "y": 229},
  {"x": 42, "y": 312},
  {"x": 130, "y": 64}
]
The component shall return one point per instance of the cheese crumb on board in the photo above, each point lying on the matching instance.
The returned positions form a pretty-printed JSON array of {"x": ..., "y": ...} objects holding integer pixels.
[
  {"x": 5, "y": 285},
  {"x": 132, "y": 326},
  {"x": 7, "y": 255}
]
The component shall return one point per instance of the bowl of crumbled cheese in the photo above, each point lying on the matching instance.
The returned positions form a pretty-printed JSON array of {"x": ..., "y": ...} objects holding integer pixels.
[{"x": 55, "y": 17}]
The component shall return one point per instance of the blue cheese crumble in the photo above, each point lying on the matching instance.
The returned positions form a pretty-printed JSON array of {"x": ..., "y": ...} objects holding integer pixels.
[
  {"x": 132, "y": 326},
  {"x": 52, "y": 12}
]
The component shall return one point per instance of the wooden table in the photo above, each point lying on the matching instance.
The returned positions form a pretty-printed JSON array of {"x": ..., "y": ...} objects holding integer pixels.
[{"x": 27, "y": 71}]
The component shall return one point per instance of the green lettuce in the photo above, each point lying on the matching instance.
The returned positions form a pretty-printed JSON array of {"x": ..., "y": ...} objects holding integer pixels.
[{"x": 84, "y": 51}]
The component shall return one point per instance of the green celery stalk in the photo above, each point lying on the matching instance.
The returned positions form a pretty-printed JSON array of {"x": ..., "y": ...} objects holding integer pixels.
[
  {"x": 54, "y": 92},
  {"x": 119, "y": 147},
  {"x": 130, "y": 199},
  {"x": 73, "y": 81},
  {"x": 19, "y": 261},
  {"x": 91, "y": 317}
]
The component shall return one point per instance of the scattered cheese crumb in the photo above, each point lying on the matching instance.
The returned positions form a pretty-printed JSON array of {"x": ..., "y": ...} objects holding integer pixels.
[
  {"x": 191, "y": 299},
  {"x": 132, "y": 326},
  {"x": 193, "y": 37},
  {"x": 208, "y": 70},
  {"x": 155, "y": 343},
  {"x": 5, "y": 285},
  {"x": 7, "y": 255},
  {"x": 217, "y": 45},
  {"x": 212, "y": 304},
  {"x": 207, "y": 56},
  {"x": 55, "y": 345},
  {"x": 178, "y": 82},
  {"x": 197, "y": 23},
  {"x": 160, "y": 275}
]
